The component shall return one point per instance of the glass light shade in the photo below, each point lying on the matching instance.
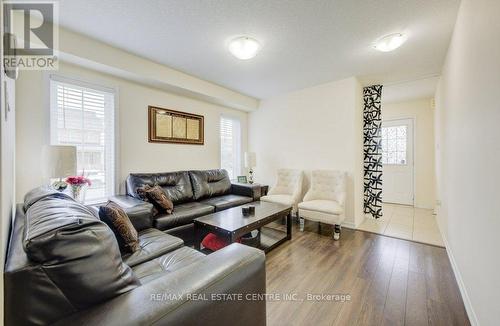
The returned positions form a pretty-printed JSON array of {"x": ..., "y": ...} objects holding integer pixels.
[
  {"x": 244, "y": 47},
  {"x": 390, "y": 42}
]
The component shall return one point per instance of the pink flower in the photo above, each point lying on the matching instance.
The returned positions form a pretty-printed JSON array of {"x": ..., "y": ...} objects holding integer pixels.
[{"x": 78, "y": 180}]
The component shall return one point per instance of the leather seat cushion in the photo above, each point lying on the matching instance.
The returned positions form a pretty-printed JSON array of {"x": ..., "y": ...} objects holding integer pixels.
[
  {"x": 227, "y": 201},
  {"x": 324, "y": 206},
  {"x": 153, "y": 243},
  {"x": 182, "y": 214},
  {"x": 167, "y": 263},
  {"x": 279, "y": 199}
]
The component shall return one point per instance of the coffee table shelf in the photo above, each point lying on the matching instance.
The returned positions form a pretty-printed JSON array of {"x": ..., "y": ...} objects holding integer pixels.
[
  {"x": 271, "y": 238},
  {"x": 230, "y": 224}
]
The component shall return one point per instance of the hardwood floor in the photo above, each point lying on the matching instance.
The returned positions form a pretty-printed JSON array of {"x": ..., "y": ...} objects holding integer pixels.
[{"x": 390, "y": 281}]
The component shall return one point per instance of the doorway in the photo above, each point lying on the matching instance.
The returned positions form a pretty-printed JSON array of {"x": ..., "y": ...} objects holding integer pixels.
[{"x": 397, "y": 160}]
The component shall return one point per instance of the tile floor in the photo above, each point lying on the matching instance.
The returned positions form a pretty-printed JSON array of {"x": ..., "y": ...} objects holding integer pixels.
[{"x": 406, "y": 222}]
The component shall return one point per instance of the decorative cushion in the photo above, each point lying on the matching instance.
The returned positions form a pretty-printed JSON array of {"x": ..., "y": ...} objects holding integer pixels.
[
  {"x": 116, "y": 218},
  {"x": 141, "y": 193},
  {"x": 324, "y": 206},
  {"x": 157, "y": 196},
  {"x": 214, "y": 243}
]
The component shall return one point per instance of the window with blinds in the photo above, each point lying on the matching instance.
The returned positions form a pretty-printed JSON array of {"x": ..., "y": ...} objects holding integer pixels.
[
  {"x": 230, "y": 146},
  {"x": 82, "y": 115}
]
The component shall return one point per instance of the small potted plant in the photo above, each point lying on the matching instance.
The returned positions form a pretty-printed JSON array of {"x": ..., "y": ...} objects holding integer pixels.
[{"x": 78, "y": 187}]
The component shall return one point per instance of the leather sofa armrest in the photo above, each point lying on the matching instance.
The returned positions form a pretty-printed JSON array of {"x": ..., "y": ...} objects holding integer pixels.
[
  {"x": 139, "y": 212},
  {"x": 246, "y": 189},
  {"x": 222, "y": 286}
]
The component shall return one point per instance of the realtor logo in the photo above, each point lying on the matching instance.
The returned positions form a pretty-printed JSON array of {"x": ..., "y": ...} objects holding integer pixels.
[{"x": 30, "y": 35}]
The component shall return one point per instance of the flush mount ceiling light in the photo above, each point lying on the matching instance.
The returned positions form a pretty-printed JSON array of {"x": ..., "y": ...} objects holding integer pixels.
[
  {"x": 390, "y": 42},
  {"x": 244, "y": 47}
]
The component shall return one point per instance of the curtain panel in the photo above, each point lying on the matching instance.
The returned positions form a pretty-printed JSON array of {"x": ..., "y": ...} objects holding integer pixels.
[{"x": 372, "y": 150}]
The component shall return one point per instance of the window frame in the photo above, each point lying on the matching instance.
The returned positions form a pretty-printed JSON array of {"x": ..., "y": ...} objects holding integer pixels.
[
  {"x": 406, "y": 147},
  {"x": 98, "y": 85},
  {"x": 237, "y": 160}
]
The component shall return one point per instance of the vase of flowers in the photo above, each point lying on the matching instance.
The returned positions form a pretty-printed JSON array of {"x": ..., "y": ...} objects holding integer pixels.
[{"x": 78, "y": 186}]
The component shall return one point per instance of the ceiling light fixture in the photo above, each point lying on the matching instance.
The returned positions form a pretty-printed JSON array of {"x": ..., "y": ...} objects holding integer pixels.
[
  {"x": 390, "y": 42},
  {"x": 244, "y": 47}
]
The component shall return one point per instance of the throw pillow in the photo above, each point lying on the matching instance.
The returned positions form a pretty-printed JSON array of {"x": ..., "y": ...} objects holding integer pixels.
[
  {"x": 141, "y": 192},
  {"x": 214, "y": 243},
  {"x": 158, "y": 197},
  {"x": 116, "y": 218}
]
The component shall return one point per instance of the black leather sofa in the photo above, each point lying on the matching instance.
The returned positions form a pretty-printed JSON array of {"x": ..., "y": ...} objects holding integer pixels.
[
  {"x": 64, "y": 267},
  {"x": 194, "y": 194}
]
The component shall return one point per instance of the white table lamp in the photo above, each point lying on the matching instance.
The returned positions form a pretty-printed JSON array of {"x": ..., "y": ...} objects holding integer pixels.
[
  {"x": 250, "y": 163},
  {"x": 58, "y": 162}
]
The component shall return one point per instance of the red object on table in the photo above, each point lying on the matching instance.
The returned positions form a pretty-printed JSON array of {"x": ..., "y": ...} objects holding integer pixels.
[{"x": 214, "y": 243}]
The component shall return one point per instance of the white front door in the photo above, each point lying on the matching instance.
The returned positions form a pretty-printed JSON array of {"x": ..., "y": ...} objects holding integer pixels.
[{"x": 397, "y": 160}]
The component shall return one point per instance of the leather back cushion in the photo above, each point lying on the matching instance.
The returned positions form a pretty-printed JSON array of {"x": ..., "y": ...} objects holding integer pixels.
[
  {"x": 176, "y": 185},
  {"x": 289, "y": 182},
  {"x": 328, "y": 185},
  {"x": 76, "y": 251},
  {"x": 210, "y": 183},
  {"x": 39, "y": 193}
]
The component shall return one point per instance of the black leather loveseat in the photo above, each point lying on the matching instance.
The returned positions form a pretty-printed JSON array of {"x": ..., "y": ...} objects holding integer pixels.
[
  {"x": 194, "y": 194},
  {"x": 64, "y": 267}
]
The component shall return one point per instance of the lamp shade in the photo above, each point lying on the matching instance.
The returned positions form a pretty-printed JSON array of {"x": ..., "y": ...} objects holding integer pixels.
[
  {"x": 250, "y": 160},
  {"x": 58, "y": 161}
]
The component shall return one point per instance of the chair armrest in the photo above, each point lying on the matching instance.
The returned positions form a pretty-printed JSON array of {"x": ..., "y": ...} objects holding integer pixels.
[
  {"x": 309, "y": 195},
  {"x": 246, "y": 189},
  {"x": 221, "y": 289},
  {"x": 139, "y": 212}
]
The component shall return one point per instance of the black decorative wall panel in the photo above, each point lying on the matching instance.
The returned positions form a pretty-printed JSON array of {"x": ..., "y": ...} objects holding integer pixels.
[{"x": 372, "y": 150}]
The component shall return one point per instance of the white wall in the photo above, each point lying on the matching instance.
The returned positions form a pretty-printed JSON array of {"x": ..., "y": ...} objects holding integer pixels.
[
  {"x": 135, "y": 153},
  {"x": 468, "y": 157},
  {"x": 7, "y": 167},
  {"x": 422, "y": 113},
  {"x": 7, "y": 163},
  {"x": 315, "y": 128}
]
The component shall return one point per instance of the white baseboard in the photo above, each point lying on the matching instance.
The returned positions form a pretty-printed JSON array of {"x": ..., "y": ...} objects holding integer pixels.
[
  {"x": 461, "y": 285},
  {"x": 424, "y": 207},
  {"x": 348, "y": 225}
]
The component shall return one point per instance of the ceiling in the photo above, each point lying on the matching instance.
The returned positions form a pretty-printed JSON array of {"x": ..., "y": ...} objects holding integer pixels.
[
  {"x": 304, "y": 42},
  {"x": 410, "y": 90}
]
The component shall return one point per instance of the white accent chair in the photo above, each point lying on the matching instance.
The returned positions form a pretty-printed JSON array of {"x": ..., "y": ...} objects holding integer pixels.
[
  {"x": 325, "y": 200},
  {"x": 288, "y": 189}
]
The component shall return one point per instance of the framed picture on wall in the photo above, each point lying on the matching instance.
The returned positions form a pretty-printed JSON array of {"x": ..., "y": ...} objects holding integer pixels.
[{"x": 169, "y": 126}]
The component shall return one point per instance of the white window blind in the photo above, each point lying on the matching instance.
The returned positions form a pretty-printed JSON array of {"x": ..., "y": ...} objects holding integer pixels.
[
  {"x": 82, "y": 115},
  {"x": 230, "y": 146}
]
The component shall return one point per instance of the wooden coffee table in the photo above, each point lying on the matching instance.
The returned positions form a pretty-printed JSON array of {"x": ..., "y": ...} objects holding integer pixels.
[{"x": 230, "y": 224}]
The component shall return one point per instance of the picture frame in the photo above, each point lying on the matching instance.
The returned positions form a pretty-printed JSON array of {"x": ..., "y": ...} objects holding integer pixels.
[
  {"x": 242, "y": 179},
  {"x": 171, "y": 126}
]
